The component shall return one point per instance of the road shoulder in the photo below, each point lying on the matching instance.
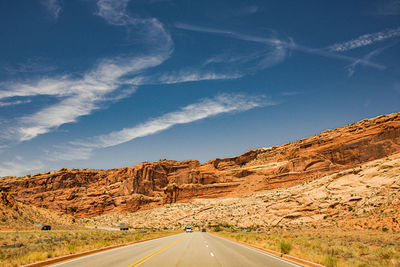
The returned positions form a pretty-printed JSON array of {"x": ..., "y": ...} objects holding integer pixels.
[{"x": 273, "y": 253}]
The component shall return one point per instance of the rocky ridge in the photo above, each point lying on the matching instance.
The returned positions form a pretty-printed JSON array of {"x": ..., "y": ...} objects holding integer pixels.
[
  {"x": 367, "y": 197},
  {"x": 88, "y": 192}
]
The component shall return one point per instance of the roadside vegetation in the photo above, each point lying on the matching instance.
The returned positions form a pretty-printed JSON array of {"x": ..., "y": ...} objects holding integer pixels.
[
  {"x": 329, "y": 246},
  {"x": 19, "y": 248}
]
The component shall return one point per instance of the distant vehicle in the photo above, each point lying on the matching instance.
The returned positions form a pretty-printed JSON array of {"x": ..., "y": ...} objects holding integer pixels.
[
  {"x": 189, "y": 229},
  {"x": 204, "y": 230},
  {"x": 46, "y": 228},
  {"x": 123, "y": 227}
]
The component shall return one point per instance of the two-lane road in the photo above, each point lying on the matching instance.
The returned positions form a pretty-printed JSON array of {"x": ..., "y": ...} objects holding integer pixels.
[{"x": 187, "y": 249}]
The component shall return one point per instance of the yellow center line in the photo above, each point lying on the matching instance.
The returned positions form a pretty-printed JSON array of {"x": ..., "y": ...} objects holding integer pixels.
[{"x": 137, "y": 263}]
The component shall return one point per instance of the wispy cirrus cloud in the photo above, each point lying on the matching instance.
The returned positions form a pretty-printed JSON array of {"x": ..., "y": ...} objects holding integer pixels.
[
  {"x": 53, "y": 7},
  {"x": 194, "y": 76},
  {"x": 276, "y": 50},
  {"x": 31, "y": 65},
  {"x": 205, "y": 108},
  {"x": 366, "y": 39},
  {"x": 69, "y": 153},
  {"x": 241, "y": 36},
  {"x": 182, "y": 76},
  {"x": 20, "y": 166},
  {"x": 15, "y": 102},
  {"x": 81, "y": 96},
  {"x": 351, "y": 67},
  {"x": 114, "y": 12},
  {"x": 280, "y": 48},
  {"x": 248, "y": 10},
  {"x": 329, "y": 54}
]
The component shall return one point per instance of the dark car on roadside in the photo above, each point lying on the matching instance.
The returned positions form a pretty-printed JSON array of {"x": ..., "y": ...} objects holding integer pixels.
[
  {"x": 46, "y": 228},
  {"x": 124, "y": 228},
  {"x": 204, "y": 230}
]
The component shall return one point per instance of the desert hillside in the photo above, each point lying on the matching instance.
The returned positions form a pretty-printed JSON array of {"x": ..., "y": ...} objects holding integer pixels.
[
  {"x": 364, "y": 197},
  {"x": 16, "y": 215},
  {"x": 88, "y": 192}
]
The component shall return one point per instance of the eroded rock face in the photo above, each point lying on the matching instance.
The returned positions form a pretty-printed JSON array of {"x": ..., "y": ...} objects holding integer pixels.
[
  {"x": 367, "y": 196},
  {"x": 87, "y": 192}
]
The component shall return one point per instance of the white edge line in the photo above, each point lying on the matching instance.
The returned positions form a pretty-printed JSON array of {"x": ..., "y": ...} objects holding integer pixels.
[
  {"x": 256, "y": 250},
  {"x": 102, "y": 252}
]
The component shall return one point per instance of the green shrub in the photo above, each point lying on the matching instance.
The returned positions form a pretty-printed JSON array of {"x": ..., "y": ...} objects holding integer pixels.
[
  {"x": 285, "y": 247},
  {"x": 71, "y": 247},
  {"x": 138, "y": 237},
  {"x": 386, "y": 254},
  {"x": 330, "y": 260}
]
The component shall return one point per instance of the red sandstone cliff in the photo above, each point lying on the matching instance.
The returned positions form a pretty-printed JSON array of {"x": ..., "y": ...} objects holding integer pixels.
[{"x": 87, "y": 192}]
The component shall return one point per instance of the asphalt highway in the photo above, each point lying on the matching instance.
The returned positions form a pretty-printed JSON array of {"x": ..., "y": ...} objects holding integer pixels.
[{"x": 186, "y": 249}]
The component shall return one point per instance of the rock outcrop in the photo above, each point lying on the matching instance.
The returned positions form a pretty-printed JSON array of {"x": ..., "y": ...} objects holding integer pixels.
[
  {"x": 88, "y": 192},
  {"x": 367, "y": 197}
]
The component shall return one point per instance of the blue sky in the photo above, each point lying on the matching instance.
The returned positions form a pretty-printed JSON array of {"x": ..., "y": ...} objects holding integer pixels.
[{"x": 105, "y": 83}]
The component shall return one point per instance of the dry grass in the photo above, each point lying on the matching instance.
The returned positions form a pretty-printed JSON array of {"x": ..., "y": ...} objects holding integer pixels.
[
  {"x": 19, "y": 248},
  {"x": 330, "y": 246}
]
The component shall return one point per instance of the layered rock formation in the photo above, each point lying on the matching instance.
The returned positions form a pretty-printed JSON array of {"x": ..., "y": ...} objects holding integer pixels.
[
  {"x": 367, "y": 196},
  {"x": 87, "y": 192}
]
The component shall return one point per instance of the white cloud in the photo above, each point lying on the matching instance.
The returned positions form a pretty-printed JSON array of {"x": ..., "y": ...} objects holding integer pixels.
[
  {"x": 249, "y": 10},
  {"x": 329, "y": 54},
  {"x": 228, "y": 58},
  {"x": 19, "y": 166},
  {"x": 69, "y": 153},
  {"x": 209, "y": 107},
  {"x": 30, "y": 65},
  {"x": 366, "y": 39},
  {"x": 81, "y": 96},
  {"x": 16, "y": 102},
  {"x": 279, "y": 47},
  {"x": 182, "y": 76},
  {"x": 114, "y": 12},
  {"x": 194, "y": 76},
  {"x": 351, "y": 67},
  {"x": 274, "y": 53},
  {"x": 236, "y": 35},
  {"x": 54, "y": 7}
]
